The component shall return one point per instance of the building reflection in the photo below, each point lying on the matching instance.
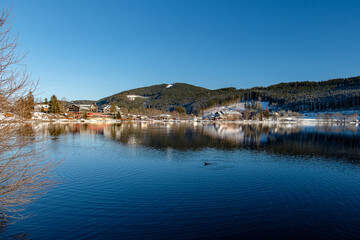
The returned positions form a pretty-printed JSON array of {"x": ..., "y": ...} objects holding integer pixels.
[{"x": 326, "y": 141}]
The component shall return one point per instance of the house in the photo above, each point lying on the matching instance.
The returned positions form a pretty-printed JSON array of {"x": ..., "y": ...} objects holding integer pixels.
[
  {"x": 93, "y": 108},
  {"x": 228, "y": 114},
  {"x": 108, "y": 110},
  {"x": 41, "y": 108},
  {"x": 73, "y": 108},
  {"x": 88, "y": 108},
  {"x": 84, "y": 108},
  {"x": 219, "y": 114}
]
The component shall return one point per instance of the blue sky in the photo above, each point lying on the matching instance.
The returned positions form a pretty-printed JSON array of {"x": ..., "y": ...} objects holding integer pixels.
[{"x": 87, "y": 49}]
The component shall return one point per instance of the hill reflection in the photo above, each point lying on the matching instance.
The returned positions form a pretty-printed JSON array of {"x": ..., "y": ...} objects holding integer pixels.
[{"x": 323, "y": 141}]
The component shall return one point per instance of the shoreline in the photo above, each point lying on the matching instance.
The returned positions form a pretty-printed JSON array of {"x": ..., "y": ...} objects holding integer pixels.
[{"x": 302, "y": 122}]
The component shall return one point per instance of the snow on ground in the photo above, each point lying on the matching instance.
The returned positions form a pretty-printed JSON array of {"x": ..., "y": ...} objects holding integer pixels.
[
  {"x": 40, "y": 116},
  {"x": 133, "y": 97},
  {"x": 4, "y": 118},
  {"x": 169, "y": 86}
]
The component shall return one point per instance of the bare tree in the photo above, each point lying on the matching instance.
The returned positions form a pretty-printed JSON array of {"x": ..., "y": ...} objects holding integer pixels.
[
  {"x": 24, "y": 164},
  {"x": 25, "y": 169},
  {"x": 63, "y": 105},
  {"x": 247, "y": 114}
]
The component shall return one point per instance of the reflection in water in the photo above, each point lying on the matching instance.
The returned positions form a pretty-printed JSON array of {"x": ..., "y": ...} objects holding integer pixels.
[
  {"x": 279, "y": 139},
  {"x": 327, "y": 144},
  {"x": 25, "y": 168},
  {"x": 150, "y": 181}
]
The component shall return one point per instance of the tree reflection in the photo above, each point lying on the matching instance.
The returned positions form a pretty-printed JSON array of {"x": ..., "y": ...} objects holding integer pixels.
[
  {"x": 277, "y": 139},
  {"x": 25, "y": 169},
  {"x": 326, "y": 144}
]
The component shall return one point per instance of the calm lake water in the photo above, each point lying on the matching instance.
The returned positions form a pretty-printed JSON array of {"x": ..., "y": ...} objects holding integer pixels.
[{"x": 149, "y": 181}]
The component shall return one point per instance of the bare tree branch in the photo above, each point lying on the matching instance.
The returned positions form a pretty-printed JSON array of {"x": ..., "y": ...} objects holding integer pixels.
[{"x": 25, "y": 168}]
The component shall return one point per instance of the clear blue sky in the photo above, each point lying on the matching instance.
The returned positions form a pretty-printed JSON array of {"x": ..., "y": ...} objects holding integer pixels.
[{"x": 87, "y": 49}]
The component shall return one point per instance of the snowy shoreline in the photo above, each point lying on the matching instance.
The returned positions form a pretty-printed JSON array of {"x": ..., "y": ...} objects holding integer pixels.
[
  {"x": 308, "y": 120},
  {"x": 292, "y": 121}
]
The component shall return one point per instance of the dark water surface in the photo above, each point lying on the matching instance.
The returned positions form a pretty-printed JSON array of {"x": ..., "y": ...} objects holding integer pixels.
[{"x": 145, "y": 181}]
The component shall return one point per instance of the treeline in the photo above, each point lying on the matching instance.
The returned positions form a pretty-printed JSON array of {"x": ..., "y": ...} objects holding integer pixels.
[
  {"x": 304, "y": 96},
  {"x": 310, "y": 96}
]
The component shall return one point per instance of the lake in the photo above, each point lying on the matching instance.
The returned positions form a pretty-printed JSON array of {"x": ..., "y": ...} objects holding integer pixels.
[{"x": 150, "y": 181}]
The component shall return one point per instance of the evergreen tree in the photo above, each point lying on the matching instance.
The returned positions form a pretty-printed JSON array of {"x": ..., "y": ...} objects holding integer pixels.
[
  {"x": 29, "y": 105},
  {"x": 54, "y": 105},
  {"x": 118, "y": 115},
  {"x": 26, "y": 104}
]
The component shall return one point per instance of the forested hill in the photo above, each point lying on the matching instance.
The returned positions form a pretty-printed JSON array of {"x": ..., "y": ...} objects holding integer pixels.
[
  {"x": 167, "y": 97},
  {"x": 328, "y": 95},
  {"x": 298, "y": 96}
]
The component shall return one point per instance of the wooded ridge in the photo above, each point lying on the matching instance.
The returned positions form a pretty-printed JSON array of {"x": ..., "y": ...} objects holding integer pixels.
[{"x": 330, "y": 95}]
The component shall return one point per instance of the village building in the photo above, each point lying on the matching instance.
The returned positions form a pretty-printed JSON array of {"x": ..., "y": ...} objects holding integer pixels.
[
  {"x": 87, "y": 108},
  {"x": 73, "y": 108},
  {"x": 93, "y": 108},
  {"x": 228, "y": 114},
  {"x": 107, "y": 109},
  {"x": 41, "y": 108},
  {"x": 84, "y": 108}
]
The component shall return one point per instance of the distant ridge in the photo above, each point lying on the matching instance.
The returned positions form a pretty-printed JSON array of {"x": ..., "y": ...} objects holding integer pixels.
[
  {"x": 342, "y": 93},
  {"x": 160, "y": 96}
]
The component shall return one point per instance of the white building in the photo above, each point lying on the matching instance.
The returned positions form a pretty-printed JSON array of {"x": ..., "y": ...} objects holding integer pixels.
[
  {"x": 87, "y": 108},
  {"x": 107, "y": 109},
  {"x": 41, "y": 107}
]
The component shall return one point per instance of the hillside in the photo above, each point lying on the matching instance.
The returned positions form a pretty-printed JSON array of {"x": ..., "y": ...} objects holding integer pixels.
[
  {"x": 167, "y": 97},
  {"x": 303, "y": 96},
  {"x": 333, "y": 94},
  {"x": 82, "y": 102}
]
